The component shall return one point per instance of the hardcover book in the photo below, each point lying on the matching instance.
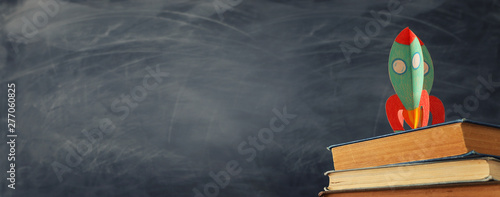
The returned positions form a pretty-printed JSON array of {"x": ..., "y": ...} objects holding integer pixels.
[
  {"x": 488, "y": 189},
  {"x": 450, "y": 139},
  {"x": 415, "y": 174}
]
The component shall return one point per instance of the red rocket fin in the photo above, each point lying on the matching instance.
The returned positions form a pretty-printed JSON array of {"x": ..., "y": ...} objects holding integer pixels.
[
  {"x": 424, "y": 102},
  {"x": 436, "y": 109},
  {"x": 394, "y": 111}
]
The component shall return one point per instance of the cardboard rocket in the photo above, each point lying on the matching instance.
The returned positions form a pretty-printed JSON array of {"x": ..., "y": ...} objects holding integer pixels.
[{"x": 412, "y": 73}]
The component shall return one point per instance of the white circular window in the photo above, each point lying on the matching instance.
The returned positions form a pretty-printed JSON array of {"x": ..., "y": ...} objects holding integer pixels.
[{"x": 416, "y": 60}]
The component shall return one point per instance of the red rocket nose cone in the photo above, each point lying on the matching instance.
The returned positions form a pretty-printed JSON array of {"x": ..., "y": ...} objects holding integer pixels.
[{"x": 406, "y": 37}]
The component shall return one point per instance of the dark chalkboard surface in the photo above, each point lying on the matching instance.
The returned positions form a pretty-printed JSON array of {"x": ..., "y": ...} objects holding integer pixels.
[{"x": 218, "y": 97}]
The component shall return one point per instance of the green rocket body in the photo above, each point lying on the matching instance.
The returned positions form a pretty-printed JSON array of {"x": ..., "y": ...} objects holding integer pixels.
[{"x": 411, "y": 71}]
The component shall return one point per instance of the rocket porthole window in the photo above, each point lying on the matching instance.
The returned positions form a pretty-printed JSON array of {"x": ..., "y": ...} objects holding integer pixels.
[
  {"x": 426, "y": 68},
  {"x": 416, "y": 60},
  {"x": 399, "y": 66}
]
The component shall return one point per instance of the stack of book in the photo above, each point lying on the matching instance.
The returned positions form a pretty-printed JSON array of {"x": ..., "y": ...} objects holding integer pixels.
[{"x": 458, "y": 158}]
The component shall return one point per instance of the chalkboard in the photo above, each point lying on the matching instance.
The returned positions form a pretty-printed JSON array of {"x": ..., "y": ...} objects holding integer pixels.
[{"x": 218, "y": 97}]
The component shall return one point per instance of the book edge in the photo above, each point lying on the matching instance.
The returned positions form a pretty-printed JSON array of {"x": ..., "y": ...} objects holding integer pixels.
[
  {"x": 477, "y": 156},
  {"x": 413, "y": 130},
  {"x": 486, "y": 179}
]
